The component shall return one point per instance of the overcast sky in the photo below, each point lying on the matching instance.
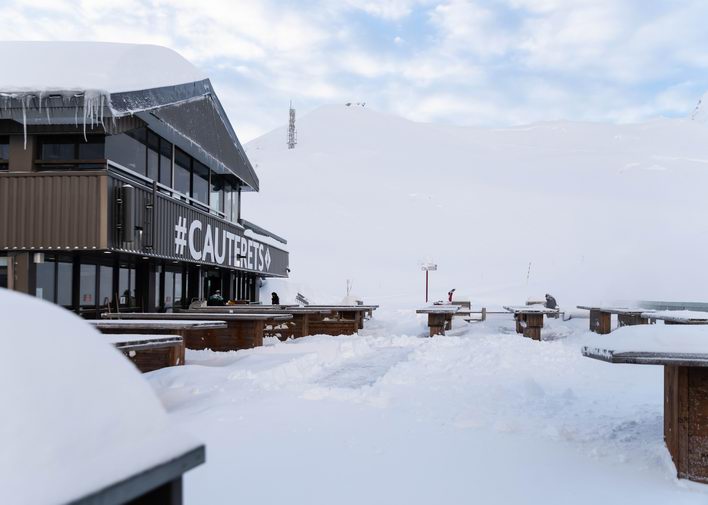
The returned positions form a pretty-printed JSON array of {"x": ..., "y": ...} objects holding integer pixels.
[{"x": 475, "y": 62}]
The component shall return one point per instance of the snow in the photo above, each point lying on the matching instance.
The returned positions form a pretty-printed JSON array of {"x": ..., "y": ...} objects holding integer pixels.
[
  {"x": 104, "y": 66},
  {"x": 77, "y": 416},
  {"x": 679, "y": 314},
  {"x": 601, "y": 213},
  {"x": 132, "y": 338},
  {"x": 481, "y": 415},
  {"x": 657, "y": 338}
]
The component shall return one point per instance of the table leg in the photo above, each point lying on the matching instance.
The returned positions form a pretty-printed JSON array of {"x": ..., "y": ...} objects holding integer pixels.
[
  {"x": 600, "y": 322},
  {"x": 436, "y": 322}
]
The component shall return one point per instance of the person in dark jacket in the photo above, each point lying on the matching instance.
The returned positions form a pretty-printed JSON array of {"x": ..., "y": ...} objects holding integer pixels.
[
  {"x": 550, "y": 302},
  {"x": 450, "y": 294},
  {"x": 216, "y": 299},
  {"x": 274, "y": 299}
]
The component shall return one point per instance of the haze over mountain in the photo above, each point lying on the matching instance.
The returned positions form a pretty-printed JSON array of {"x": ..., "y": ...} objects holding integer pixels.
[{"x": 586, "y": 211}]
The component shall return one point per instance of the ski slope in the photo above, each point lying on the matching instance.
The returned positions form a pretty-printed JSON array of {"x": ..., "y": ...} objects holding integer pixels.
[{"x": 586, "y": 211}]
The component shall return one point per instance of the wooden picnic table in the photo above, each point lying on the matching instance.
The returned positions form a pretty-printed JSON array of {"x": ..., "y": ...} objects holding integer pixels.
[
  {"x": 685, "y": 361},
  {"x": 678, "y": 316},
  {"x": 236, "y": 331},
  {"x": 439, "y": 317},
  {"x": 601, "y": 317},
  {"x": 529, "y": 319},
  {"x": 150, "y": 352}
]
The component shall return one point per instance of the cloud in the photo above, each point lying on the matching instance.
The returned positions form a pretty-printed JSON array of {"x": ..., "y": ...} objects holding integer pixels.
[{"x": 482, "y": 62}]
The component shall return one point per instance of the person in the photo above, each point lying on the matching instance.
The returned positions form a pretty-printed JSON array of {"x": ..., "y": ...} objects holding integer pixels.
[
  {"x": 274, "y": 299},
  {"x": 216, "y": 299},
  {"x": 449, "y": 295},
  {"x": 550, "y": 302}
]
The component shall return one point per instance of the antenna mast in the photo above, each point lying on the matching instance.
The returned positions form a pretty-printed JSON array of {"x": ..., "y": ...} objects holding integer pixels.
[{"x": 292, "y": 134}]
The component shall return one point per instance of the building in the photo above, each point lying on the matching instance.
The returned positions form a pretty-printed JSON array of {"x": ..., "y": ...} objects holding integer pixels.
[{"x": 121, "y": 180}]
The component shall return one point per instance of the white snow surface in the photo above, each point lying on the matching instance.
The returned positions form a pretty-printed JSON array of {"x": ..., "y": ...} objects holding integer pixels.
[
  {"x": 481, "y": 415},
  {"x": 604, "y": 214},
  {"x": 99, "y": 66},
  {"x": 658, "y": 338},
  {"x": 77, "y": 415}
]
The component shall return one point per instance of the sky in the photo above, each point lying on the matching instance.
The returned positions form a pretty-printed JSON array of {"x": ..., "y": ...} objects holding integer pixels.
[{"x": 475, "y": 62}]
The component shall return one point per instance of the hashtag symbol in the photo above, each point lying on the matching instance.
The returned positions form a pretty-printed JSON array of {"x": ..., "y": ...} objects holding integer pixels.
[{"x": 180, "y": 235}]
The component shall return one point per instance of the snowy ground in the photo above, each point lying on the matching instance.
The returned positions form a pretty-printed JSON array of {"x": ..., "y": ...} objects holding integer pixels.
[{"x": 479, "y": 416}]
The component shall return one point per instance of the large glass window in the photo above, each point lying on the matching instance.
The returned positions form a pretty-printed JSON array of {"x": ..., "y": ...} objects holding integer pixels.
[
  {"x": 4, "y": 152},
  {"x": 44, "y": 281},
  {"x": 87, "y": 285},
  {"x": 64, "y": 283},
  {"x": 216, "y": 198},
  {"x": 178, "y": 290},
  {"x": 71, "y": 151},
  {"x": 153, "y": 156},
  {"x": 128, "y": 149},
  {"x": 228, "y": 199},
  {"x": 200, "y": 182},
  {"x": 57, "y": 148},
  {"x": 126, "y": 286},
  {"x": 169, "y": 291},
  {"x": 165, "y": 163},
  {"x": 105, "y": 286},
  {"x": 182, "y": 172}
]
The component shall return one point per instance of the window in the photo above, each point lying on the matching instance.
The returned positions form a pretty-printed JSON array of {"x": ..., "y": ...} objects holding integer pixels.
[
  {"x": 71, "y": 152},
  {"x": 228, "y": 198},
  {"x": 126, "y": 286},
  {"x": 200, "y": 182},
  {"x": 182, "y": 172},
  {"x": 87, "y": 286},
  {"x": 165, "y": 163},
  {"x": 236, "y": 204},
  {"x": 216, "y": 199},
  {"x": 4, "y": 152},
  {"x": 128, "y": 149},
  {"x": 153, "y": 156},
  {"x": 53, "y": 281},
  {"x": 105, "y": 285}
]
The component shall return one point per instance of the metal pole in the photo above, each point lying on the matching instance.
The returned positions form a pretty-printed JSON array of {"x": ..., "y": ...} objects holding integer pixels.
[{"x": 426, "y": 286}]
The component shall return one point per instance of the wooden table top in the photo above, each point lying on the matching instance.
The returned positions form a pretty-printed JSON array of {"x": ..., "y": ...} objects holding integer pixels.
[
  {"x": 152, "y": 324},
  {"x": 646, "y": 358},
  {"x": 616, "y": 310},
  {"x": 439, "y": 309},
  {"x": 199, "y": 316},
  {"x": 530, "y": 309}
]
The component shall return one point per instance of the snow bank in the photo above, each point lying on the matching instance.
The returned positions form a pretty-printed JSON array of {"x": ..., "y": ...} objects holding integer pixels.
[{"x": 76, "y": 416}]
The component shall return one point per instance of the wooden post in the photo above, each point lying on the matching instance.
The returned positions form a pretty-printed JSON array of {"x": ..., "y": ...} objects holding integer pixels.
[
  {"x": 484, "y": 314},
  {"x": 600, "y": 322},
  {"x": 686, "y": 420},
  {"x": 436, "y": 322},
  {"x": 534, "y": 323},
  {"x": 630, "y": 320}
]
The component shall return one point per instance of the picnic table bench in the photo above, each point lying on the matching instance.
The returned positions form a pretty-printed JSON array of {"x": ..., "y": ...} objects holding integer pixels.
[
  {"x": 683, "y": 352},
  {"x": 678, "y": 316},
  {"x": 601, "y": 317},
  {"x": 439, "y": 317},
  {"x": 150, "y": 352},
  {"x": 234, "y": 331},
  {"x": 529, "y": 319}
]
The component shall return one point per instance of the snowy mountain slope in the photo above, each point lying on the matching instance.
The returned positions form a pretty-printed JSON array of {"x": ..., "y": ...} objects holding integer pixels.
[{"x": 601, "y": 212}]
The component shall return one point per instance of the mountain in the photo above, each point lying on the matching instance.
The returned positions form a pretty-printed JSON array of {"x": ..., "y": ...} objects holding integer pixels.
[{"x": 589, "y": 212}]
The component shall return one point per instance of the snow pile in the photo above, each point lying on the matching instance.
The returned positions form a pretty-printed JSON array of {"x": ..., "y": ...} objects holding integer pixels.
[
  {"x": 77, "y": 416},
  {"x": 587, "y": 212}
]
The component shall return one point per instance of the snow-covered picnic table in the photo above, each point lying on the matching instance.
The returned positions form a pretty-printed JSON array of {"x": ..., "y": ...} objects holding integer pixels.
[
  {"x": 232, "y": 331},
  {"x": 439, "y": 317},
  {"x": 601, "y": 317},
  {"x": 149, "y": 352},
  {"x": 683, "y": 352},
  {"x": 529, "y": 318}
]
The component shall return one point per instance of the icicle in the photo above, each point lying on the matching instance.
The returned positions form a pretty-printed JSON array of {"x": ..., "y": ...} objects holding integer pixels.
[{"x": 24, "y": 120}]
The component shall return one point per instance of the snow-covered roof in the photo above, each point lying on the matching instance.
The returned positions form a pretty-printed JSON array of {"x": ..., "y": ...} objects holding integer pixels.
[
  {"x": 77, "y": 415},
  {"x": 104, "y": 66},
  {"x": 88, "y": 83}
]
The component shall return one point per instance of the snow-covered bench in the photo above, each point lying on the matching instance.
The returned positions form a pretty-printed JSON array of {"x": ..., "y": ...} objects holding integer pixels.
[
  {"x": 683, "y": 352},
  {"x": 529, "y": 319},
  {"x": 150, "y": 352},
  {"x": 678, "y": 316},
  {"x": 439, "y": 317},
  {"x": 601, "y": 317}
]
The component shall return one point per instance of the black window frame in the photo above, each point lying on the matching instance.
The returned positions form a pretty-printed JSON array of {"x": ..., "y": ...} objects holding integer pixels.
[
  {"x": 74, "y": 163},
  {"x": 4, "y": 161}
]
